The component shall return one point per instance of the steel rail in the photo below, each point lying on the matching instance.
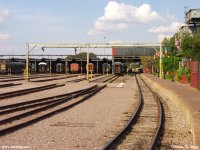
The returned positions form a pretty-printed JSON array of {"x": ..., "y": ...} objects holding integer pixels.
[
  {"x": 37, "y": 119},
  {"x": 93, "y": 80},
  {"x": 16, "y": 127},
  {"x": 27, "y": 91},
  {"x": 112, "y": 80},
  {"x": 82, "y": 79},
  {"x": 9, "y": 85},
  {"x": 113, "y": 141},
  {"x": 40, "y": 102},
  {"x": 101, "y": 78},
  {"x": 48, "y": 106},
  {"x": 9, "y": 80},
  {"x": 161, "y": 115},
  {"x": 49, "y": 78},
  {"x": 109, "y": 79}
]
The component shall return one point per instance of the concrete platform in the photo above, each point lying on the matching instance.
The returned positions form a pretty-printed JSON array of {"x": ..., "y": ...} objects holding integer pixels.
[{"x": 182, "y": 95}]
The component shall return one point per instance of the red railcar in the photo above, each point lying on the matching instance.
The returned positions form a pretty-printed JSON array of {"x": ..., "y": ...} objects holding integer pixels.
[
  {"x": 74, "y": 68},
  {"x": 91, "y": 67}
]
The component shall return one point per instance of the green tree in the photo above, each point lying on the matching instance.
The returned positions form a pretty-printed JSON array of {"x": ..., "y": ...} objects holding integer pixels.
[
  {"x": 190, "y": 46},
  {"x": 83, "y": 55},
  {"x": 145, "y": 60},
  {"x": 156, "y": 64},
  {"x": 168, "y": 63},
  {"x": 196, "y": 47}
]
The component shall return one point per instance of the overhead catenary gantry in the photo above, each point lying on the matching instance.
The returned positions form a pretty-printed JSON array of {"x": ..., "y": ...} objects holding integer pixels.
[
  {"x": 31, "y": 46},
  {"x": 93, "y": 45}
]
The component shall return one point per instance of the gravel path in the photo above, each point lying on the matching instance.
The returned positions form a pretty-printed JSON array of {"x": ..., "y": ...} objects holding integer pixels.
[{"x": 86, "y": 126}]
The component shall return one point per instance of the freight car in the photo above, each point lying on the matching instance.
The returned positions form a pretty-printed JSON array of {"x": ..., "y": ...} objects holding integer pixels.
[
  {"x": 12, "y": 67},
  {"x": 74, "y": 68},
  {"x": 60, "y": 68},
  {"x": 106, "y": 68},
  {"x": 91, "y": 67},
  {"x": 42, "y": 67},
  {"x": 118, "y": 68}
]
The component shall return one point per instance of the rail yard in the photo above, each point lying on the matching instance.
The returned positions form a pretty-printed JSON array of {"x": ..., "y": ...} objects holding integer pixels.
[
  {"x": 99, "y": 75},
  {"x": 72, "y": 103},
  {"x": 108, "y": 112}
]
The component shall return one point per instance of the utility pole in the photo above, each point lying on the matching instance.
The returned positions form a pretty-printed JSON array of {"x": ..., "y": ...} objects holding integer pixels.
[
  {"x": 50, "y": 65},
  {"x": 161, "y": 67},
  {"x": 104, "y": 44},
  {"x": 27, "y": 62},
  {"x": 87, "y": 61}
]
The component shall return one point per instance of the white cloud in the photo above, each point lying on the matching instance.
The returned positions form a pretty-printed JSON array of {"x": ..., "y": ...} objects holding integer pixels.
[
  {"x": 119, "y": 16},
  {"x": 172, "y": 28},
  {"x": 167, "y": 17},
  {"x": 3, "y": 15},
  {"x": 161, "y": 36},
  {"x": 4, "y": 37}
]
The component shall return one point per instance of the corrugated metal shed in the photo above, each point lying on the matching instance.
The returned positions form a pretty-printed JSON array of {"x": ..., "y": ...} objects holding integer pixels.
[
  {"x": 136, "y": 51},
  {"x": 193, "y": 16}
]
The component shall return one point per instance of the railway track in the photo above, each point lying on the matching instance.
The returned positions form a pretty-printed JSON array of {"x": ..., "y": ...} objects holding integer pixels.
[
  {"x": 144, "y": 126},
  {"x": 12, "y": 79},
  {"x": 105, "y": 79},
  {"x": 9, "y": 85},
  {"x": 27, "y": 113},
  {"x": 27, "y": 91},
  {"x": 19, "y": 115},
  {"x": 54, "y": 78},
  {"x": 9, "y": 77},
  {"x": 20, "y": 78},
  {"x": 82, "y": 79},
  {"x": 110, "y": 80}
]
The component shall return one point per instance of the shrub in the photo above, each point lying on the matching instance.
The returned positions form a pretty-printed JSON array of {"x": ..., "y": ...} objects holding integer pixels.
[{"x": 184, "y": 71}]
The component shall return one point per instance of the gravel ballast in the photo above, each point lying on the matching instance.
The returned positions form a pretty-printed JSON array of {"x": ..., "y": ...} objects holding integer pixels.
[
  {"x": 91, "y": 124},
  {"x": 86, "y": 126}
]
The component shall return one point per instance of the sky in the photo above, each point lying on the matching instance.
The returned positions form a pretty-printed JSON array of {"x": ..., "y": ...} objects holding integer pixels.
[{"x": 83, "y": 21}]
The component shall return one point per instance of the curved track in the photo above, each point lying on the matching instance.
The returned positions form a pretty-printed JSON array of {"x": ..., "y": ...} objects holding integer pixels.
[
  {"x": 9, "y": 85},
  {"x": 144, "y": 126},
  {"x": 105, "y": 79},
  {"x": 25, "y": 118},
  {"x": 19, "y": 115},
  {"x": 27, "y": 91}
]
